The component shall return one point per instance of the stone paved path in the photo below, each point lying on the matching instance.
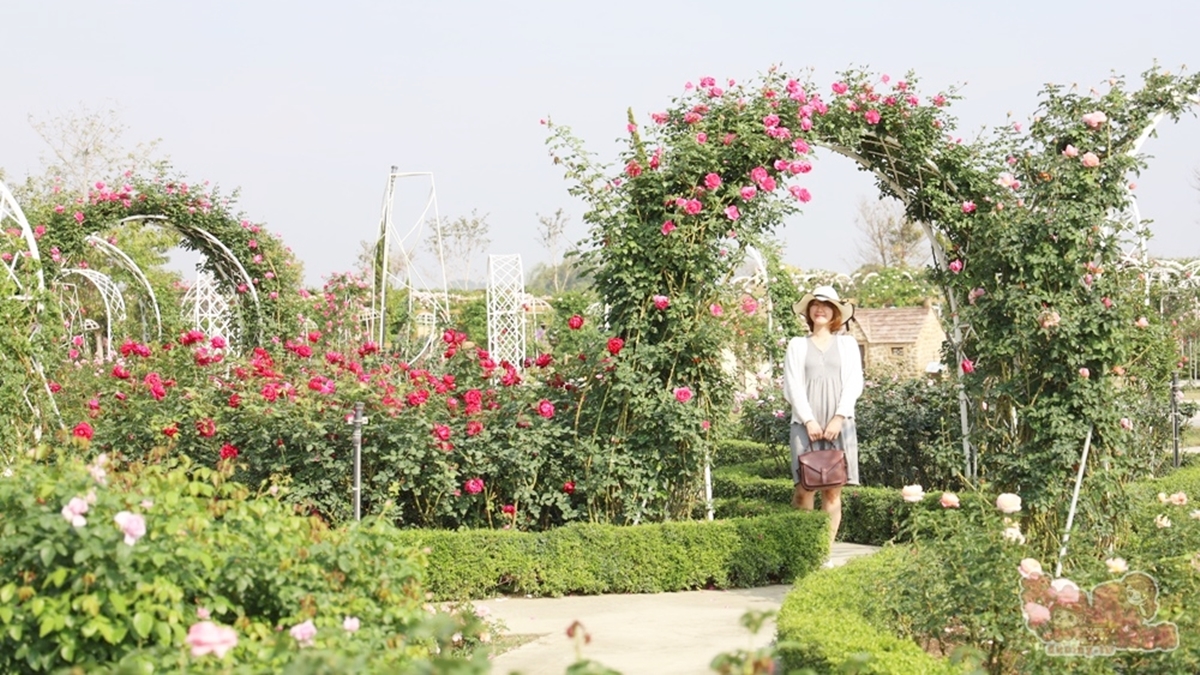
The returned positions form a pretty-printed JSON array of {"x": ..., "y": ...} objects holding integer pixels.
[{"x": 659, "y": 634}]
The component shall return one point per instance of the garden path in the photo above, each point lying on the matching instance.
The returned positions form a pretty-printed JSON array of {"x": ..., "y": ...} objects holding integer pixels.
[{"x": 660, "y": 633}]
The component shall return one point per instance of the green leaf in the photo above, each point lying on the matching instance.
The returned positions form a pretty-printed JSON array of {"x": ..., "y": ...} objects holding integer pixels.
[
  {"x": 6, "y": 614},
  {"x": 142, "y": 624},
  {"x": 57, "y": 577},
  {"x": 7, "y": 593}
]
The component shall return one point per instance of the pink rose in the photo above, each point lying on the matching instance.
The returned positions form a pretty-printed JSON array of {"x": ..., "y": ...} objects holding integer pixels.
[
  {"x": 912, "y": 493},
  {"x": 1070, "y": 151},
  {"x": 800, "y": 193},
  {"x": 1036, "y": 614},
  {"x": 693, "y": 206},
  {"x": 207, "y": 637},
  {"x": 667, "y": 228},
  {"x": 701, "y": 138},
  {"x": 74, "y": 510},
  {"x": 839, "y": 87},
  {"x": 351, "y": 624},
  {"x": 732, "y": 213},
  {"x": 949, "y": 500},
  {"x": 1085, "y": 373},
  {"x": 545, "y": 408},
  {"x": 712, "y": 181},
  {"x": 1093, "y": 120},
  {"x": 1008, "y": 503},
  {"x": 1126, "y": 424},
  {"x": 1030, "y": 568},
  {"x": 716, "y": 310},
  {"x": 473, "y": 486},
  {"x": 1090, "y": 160},
  {"x": 749, "y": 305},
  {"x": 968, "y": 207},
  {"x": 1065, "y": 591},
  {"x": 683, "y": 394},
  {"x": 132, "y": 525},
  {"x": 1141, "y": 322},
  {"x": 661, "y": 302},
  {"x": 304, "y": 633},
  {"x": 872, "y": 116},
  {"x": 956, "y": 266},
  {"x": 749, "y": 192}
]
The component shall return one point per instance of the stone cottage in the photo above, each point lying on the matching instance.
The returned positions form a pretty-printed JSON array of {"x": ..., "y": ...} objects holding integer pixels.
[{"x": 902, "y": 340}]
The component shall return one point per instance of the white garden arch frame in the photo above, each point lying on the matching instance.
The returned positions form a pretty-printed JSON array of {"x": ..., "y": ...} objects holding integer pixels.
[{"x": 432, "y": 294}]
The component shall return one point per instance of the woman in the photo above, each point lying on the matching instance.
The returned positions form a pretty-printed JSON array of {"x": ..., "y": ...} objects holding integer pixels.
[{"x": 822, "y": 379}]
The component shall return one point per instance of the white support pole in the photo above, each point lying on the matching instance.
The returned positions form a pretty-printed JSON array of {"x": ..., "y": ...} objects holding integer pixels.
[{"x": 1062, "y": 552}]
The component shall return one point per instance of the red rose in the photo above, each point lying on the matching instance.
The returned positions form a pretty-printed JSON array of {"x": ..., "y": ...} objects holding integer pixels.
[
  {"x": 228, "y": 451},
  {"x": 83, "y": 430},
  {"x": 509, "y": 509},
  {"x": 545, "y": 408},
  {"x": 170, "y": 431},
  {"x": 206, "y": 427},
  {"x": 575, "y": 322},
  {"x": 441, "y": 432},
  {"x": 543, "y": 360},
  {"x": 614, "y": 345},
  {"x": 234, "y": 400},
  {"x": 474, "y": 427},
  {"x": 569, "y": 487}
]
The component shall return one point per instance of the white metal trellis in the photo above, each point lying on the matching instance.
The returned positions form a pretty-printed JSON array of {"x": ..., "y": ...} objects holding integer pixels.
[
  {"x": 428, "y": 299},
  {"x": 132, "y": 267},
  {"x": 209, "y": 309},
  {"x": 10, "y": 215},
  {"x": 506, "y": 309},
  {"x": 114, "y": 303}
]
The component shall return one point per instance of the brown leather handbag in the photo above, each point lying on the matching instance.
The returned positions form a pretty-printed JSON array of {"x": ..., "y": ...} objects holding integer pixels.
[{"x": 822, "y": 469}]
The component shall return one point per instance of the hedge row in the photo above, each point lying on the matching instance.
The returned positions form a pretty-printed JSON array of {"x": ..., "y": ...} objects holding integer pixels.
[
  {"x": 587, "y": 558},
  {"x": 733, "y": 451},
  {"x": 869, "y": 515},
  {"x": 837, "y": 621}
]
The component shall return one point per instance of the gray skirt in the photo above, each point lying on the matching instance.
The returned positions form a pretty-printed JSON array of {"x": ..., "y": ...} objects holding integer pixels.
[{"x": 847, "y": 442}]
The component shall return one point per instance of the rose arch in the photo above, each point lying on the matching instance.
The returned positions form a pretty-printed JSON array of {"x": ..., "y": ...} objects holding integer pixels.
[
  {"x": 1025, "y": 227},
  {"x": 251, "y": 264}
]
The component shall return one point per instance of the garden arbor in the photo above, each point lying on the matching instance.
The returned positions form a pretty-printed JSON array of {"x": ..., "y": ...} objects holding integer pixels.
[
  {"x": 50, "y": 243},
  {"x": 1025, "y": 227}
]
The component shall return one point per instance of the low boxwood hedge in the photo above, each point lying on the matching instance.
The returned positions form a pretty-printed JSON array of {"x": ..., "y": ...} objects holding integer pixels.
[
  {"x": 590, "y": 558},
  {"x": 838, "y": 619}
]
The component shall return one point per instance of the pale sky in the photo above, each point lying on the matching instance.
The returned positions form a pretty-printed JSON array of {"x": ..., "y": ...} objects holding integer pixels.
[{"x": 304, "y": 106}]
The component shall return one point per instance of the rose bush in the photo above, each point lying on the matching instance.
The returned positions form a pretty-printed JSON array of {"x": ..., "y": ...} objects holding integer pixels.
[{"x": 183, "y": 569}]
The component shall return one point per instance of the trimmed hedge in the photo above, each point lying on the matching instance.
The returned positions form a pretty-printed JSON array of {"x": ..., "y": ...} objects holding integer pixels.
[
  {"x": 870, "y": 515},
  {"x": 837, "y": 619},
  {"x": 588, "y": 558},
  {"x": 733, "y": 451}
]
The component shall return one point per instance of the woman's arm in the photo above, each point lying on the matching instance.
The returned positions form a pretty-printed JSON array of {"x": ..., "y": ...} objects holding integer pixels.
[
  {"x": 794, "y": 388},
  {"x": 852, "y": 376}
]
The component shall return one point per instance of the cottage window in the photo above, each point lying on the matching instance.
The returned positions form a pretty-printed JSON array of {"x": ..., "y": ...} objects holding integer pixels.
[{"x": 897, "y": 351}]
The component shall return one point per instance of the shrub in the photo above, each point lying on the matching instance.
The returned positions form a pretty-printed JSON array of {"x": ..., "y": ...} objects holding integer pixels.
[
  {"x": 841, "y": 617},
  {"x": 908, "y": 433},
  {"x": 595, "y": 558},
  {"x": 104, "y": 566}
]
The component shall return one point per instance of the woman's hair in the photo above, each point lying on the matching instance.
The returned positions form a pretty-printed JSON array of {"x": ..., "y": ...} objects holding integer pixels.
[{"x": 835, "y": 324}]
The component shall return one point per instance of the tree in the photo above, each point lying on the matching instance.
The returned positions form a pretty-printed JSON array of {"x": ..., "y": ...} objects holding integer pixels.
[
  {"x": 550, "y": 231},
  {"x": 456, "y": 242},
  {"x": 569, "y": 274},
  {"x": 86, "y": 147},
  {"x": 890, "y": 238}
]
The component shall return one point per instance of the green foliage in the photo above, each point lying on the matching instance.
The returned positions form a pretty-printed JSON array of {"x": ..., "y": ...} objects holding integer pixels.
[
  {"x": 909, "y": 432},
  {"x": 841, "y": 620},
  {"x": 587, "y": 558},
  {"x": 85, "y": 595},
  {"x": 893, "y": 287}
]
